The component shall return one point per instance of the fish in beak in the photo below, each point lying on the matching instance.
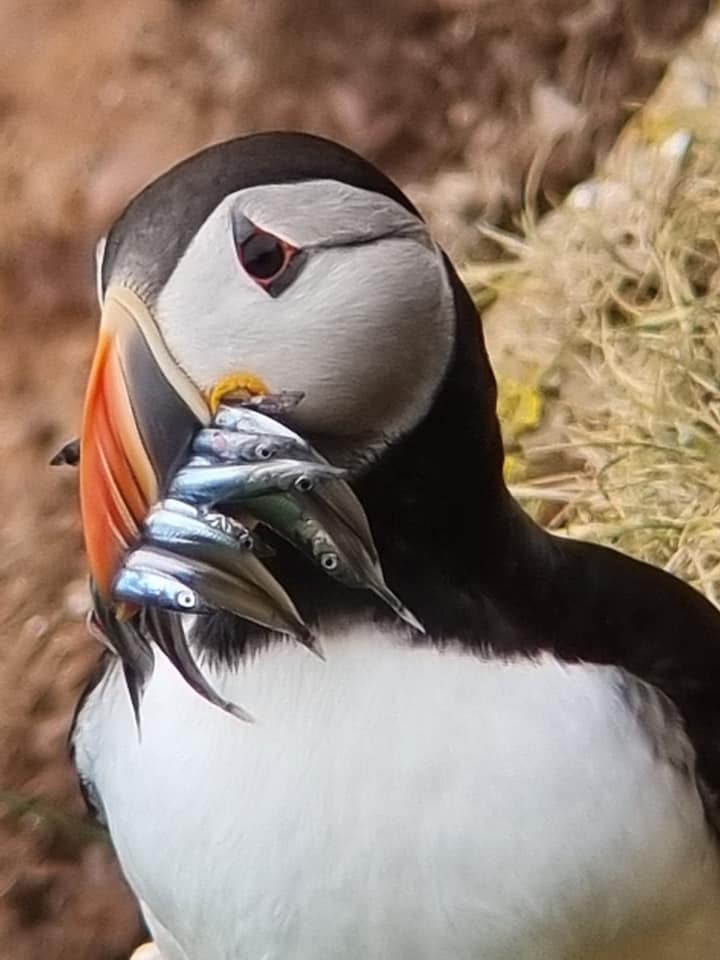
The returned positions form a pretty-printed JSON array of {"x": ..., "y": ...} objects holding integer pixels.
[
  {"x": 140, "y": 417},
  {"x": 158, "y": 459},
  {"x": 141, "y": 413}
]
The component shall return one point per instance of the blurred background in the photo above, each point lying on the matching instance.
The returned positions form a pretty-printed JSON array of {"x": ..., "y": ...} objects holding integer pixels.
[{"x": 457, "y": 99}]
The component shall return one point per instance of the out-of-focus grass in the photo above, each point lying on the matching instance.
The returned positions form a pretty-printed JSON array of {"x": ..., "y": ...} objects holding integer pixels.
[
  {"x": 520, "y": 406},
  {"x": 617, "y": 293}
]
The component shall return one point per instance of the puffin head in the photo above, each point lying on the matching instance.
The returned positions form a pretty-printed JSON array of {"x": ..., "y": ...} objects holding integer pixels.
[{"x": 276, "y": 262}]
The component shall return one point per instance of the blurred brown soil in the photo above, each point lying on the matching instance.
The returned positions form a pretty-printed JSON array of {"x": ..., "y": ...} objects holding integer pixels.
[{"x": 94, "y": 100}]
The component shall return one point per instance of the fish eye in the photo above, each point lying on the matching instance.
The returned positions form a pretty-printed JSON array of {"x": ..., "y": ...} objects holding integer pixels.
[
  {"x": 304, "y": 484},
  {"x": 329, "y": 561},
  {"x": 185, "y": 599},
  {"x": 263, "y": 451},
  {"x": 264, "y": 256}
]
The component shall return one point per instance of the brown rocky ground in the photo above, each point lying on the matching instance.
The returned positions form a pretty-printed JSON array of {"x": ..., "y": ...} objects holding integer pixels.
[{"x": 94, "y": 100}]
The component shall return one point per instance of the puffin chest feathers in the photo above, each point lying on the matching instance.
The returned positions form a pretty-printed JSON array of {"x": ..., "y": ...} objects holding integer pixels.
[{"x": 397, "y": 801}]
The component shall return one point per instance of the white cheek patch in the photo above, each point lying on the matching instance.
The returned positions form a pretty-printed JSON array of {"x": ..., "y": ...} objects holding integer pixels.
[
  {"x": 377, "y": 338},
  {"x": 365, "y": 330},
  {"x": 199, "y": 311}
]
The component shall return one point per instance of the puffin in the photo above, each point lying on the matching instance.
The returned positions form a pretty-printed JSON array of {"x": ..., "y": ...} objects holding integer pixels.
[{"x": 533, "y": 776}]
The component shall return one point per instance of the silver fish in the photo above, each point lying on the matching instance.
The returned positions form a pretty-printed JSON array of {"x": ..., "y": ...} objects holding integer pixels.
[
  {"x": 132, "y": 640},
  {"x": 338, "y": 496},
  {"x": 230, "y": 446},
  {"x": 274, "y": 404},
  {"x": 166, "y": 629},
  {"x": 360, "y": 567},
  {"x": 142, "y": 585},
  {"x": 305, "y": 522},
  {"x": 287, "y": 518},
  {"x": 208, "y": 485},
  {"x": 244, "y": 420},
  {"x": 342, "y": 502},
  {"x": 207, "y": 589},
  {"x": 219, "y": 543},
  {"x": 169, "y": 524},
  {"x": 124, "y": 640}
]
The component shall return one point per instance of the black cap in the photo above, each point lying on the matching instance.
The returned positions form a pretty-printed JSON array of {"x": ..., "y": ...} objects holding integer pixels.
[{"x": 156, "y": 227}]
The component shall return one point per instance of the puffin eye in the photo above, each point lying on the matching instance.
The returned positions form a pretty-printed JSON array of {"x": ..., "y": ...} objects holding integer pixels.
[{"x": 265, "y": 258}]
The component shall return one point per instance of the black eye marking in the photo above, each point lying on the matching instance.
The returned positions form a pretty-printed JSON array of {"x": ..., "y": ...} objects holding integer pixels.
[{"x": 271, "y": 262}]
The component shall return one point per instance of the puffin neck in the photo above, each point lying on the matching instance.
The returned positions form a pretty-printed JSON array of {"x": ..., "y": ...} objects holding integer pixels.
[{"x": 436, "y": 500}]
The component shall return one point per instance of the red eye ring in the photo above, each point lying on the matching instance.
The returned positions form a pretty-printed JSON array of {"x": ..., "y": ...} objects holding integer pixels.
[{"x": 264, "y": 257}]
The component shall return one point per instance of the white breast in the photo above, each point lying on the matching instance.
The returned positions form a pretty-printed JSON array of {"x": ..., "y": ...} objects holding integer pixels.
[{"x": 401, "y": 804}]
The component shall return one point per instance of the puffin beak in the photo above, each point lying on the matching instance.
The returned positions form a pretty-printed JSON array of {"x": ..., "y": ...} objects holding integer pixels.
[{"x": 141, "y": 412}]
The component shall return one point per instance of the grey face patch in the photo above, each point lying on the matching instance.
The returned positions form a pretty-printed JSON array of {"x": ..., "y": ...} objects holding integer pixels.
[
  {"x": 364, "y": 329},
  {"x": 362, "y": 321}
]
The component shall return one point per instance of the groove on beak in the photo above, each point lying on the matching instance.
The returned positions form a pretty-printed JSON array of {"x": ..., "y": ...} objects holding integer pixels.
[{"x": 141, "y": 412}]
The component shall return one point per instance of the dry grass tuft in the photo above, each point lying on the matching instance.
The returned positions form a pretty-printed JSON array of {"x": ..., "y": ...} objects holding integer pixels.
[{"x": 619, "y": 295}]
